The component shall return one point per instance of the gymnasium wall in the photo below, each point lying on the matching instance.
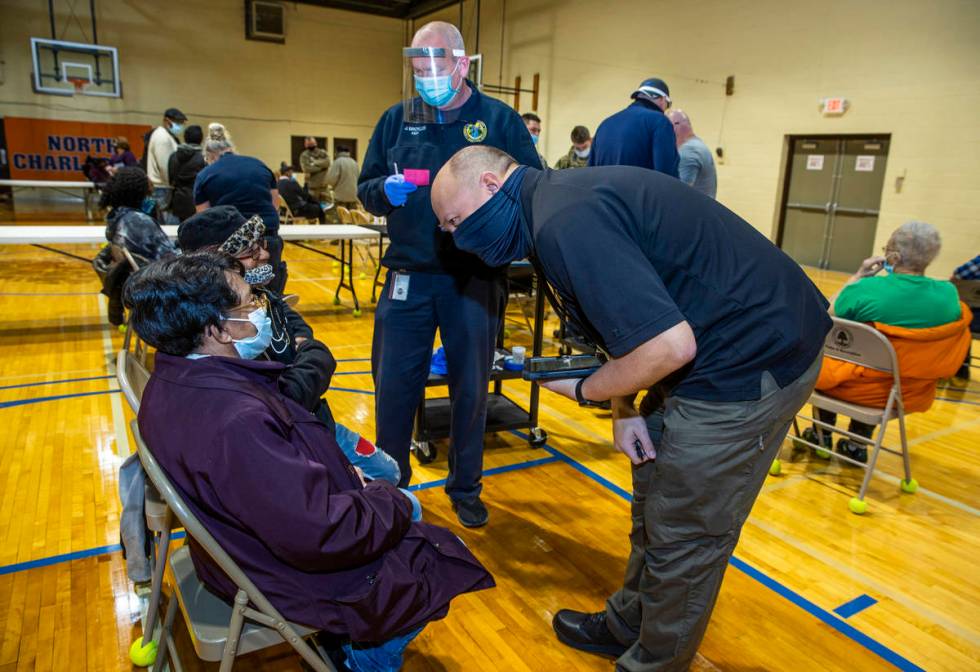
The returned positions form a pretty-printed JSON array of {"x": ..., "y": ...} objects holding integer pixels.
[
  {"x": 334, "y": 76},
  {"x": 909, "y": 68}
]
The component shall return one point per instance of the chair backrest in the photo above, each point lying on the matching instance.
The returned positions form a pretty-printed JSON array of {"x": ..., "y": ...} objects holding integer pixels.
[
  {"x": 197, "y": 531},
  {"x": 861, "y": 344},
  {"x": 343, "y": 214},
  {"x": 284, "y": 212},
  {"x": 969, "y": 291},
  {"x": 132, "y": 376},
  {"x": 360, "y": 217}
]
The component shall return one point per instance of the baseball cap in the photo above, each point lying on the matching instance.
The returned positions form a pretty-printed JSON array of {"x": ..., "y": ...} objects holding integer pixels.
[
  {"x": 653, "y": 88},
  {"x": 175, "y": 114}
]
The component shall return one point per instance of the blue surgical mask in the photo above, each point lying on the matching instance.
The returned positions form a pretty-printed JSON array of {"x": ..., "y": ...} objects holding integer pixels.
[
  {"x": 582, "y": 153},
  {"x": 437, "y": 90},
  {"x": 534, "y": 139},
  {"x": 496, "y": 232},
  {"x": 253, "y": 346},
  {"x": 176, "y": 128},
  {"x": 148, "y": 204},
  {"x": 888, "y": 268},
  {"x": 260, "y": 275}
]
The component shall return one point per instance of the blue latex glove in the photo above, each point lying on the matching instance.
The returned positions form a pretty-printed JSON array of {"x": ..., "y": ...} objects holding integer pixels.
[
  {"x": 416, "y": 505},
  {"x": 397, "y": 189}
]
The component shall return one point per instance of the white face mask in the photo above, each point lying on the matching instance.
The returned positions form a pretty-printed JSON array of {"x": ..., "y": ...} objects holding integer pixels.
[{"x": 583, "y": 153}]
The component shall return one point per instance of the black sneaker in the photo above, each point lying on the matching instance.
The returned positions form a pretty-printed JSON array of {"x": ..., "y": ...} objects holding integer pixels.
[
  {"x": 855, "y": 451},
  {"x": 586, "y": 632},
  {"x": 471, "y": 512}
]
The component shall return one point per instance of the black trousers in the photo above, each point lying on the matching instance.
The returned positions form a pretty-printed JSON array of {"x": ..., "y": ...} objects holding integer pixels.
[
  {"x": 274, "y": 244},
  {"x": 467, "y": 311},
  {"x": 831, "y": 419}
]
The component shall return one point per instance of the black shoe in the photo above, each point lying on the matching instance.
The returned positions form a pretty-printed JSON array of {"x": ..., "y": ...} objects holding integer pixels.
[
  {"x": 471, "y": 512},
  {"x": 854, "y": 451},
  {"x": 810, "y": 434},
  {"x": 586, "y": 632}
]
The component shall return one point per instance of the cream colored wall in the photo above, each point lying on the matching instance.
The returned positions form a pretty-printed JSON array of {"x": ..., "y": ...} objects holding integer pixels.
[
  {"x": 909, "y": 68},
  {"x": 335, "y": 75}
]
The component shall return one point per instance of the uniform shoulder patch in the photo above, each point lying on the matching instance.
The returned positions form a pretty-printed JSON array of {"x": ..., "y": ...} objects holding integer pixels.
[{"x": 475, "y": 132}]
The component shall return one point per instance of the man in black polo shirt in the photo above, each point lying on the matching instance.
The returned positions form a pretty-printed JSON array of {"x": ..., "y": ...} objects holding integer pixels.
[{"x": 691, "y": 303}]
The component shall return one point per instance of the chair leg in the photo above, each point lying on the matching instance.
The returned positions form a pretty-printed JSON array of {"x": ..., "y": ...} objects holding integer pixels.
[
  {"x": 909, "y": 485},
  {"x": 872, "y": 461},
  {"x": 156, "y": 587},
  {"x": 163, "y": 650},
  {"x": 234, "y": 632}
]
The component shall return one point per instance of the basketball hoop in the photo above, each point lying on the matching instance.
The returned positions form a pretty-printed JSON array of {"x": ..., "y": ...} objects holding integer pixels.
[{"x": 79, "y": 83}]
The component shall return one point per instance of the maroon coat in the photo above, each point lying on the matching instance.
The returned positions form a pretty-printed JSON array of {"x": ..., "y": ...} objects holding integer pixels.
[{"x": 268, "y": 480}]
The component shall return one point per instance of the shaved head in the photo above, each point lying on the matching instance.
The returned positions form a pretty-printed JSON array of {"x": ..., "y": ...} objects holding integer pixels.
[
  {"x": 439, "y": 34},
  {"x": 467, "y": 181},
  {"x": 682, "y": 126}
]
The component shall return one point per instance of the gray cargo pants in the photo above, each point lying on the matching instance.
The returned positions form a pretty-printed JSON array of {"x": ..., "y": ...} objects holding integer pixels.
[{"x": 688, "y": 509}]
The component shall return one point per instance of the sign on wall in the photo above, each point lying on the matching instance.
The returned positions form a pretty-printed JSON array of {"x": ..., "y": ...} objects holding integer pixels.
[
  {"x": 814, "y": 161},
  {"x": 51, "y": 149}
]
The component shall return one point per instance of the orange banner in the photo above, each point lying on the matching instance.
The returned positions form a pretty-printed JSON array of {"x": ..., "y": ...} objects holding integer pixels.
[{"x": 51, "y": 149}]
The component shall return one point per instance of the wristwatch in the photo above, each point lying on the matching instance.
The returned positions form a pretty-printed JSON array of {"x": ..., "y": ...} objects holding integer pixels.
[{"x": 582, "y": 401}]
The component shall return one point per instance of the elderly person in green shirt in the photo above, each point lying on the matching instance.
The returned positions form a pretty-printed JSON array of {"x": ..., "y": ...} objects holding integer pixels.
[{"x": 901, "y": 297}]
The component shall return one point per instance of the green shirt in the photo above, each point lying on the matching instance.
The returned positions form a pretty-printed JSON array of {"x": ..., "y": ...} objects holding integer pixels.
[{"x": 900, "y": 300}]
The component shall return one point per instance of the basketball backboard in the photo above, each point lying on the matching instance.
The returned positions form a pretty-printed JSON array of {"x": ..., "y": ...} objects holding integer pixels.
[{"x": 75, "y": 68}]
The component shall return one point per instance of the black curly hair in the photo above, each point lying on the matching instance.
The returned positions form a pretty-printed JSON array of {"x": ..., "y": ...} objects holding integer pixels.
[{"x": 127, "y": 188}]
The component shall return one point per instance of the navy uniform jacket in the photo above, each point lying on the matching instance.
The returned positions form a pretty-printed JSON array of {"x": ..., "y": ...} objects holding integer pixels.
[
  {"x": 641, "y": 135},
  {"x": 416, "y": 242}
]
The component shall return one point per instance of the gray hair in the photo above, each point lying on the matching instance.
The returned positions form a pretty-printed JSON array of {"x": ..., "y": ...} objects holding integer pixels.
[
  {"x": 918, "y": 244},
  {"x": 218, "y": 142}
]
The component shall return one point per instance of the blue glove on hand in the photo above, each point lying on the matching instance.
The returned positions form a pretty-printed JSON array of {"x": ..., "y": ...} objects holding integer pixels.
[{"x": 397, "y": 189}]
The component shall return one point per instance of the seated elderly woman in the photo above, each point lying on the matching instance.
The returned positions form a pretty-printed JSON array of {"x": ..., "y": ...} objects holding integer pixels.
[
  {"x": 922, "y": 317},
  {"x": 268, "y": 480}
]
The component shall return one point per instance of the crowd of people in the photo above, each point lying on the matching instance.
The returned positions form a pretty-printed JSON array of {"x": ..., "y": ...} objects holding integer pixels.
[{"x": 720, "y": 330}]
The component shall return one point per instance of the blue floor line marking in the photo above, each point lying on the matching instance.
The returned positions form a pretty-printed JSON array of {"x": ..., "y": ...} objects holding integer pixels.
[
  {"x": 818, "y": 612},
  {"x": 489, "y": 472},
  {"x": 350, "y": 389},
  {"x": 959, "y": 401},
  {"x": 855, "y": 606},
  {"x": 68, "y": 557},
  {"x": 55, "y": 382},
  {"x": 38, "y": 400}
]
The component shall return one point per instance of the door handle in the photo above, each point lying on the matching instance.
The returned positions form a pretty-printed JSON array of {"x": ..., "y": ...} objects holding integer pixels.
[
  {"x": 863, "y": 212},
  {"x": 809, "y": 206}
]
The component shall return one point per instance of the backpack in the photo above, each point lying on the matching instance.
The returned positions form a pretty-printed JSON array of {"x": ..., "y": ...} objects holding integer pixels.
[{"x": 146, "y": 148}]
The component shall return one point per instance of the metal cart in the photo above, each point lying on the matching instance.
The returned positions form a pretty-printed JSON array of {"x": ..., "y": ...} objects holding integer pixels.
[{"x": 432, "y": 420}]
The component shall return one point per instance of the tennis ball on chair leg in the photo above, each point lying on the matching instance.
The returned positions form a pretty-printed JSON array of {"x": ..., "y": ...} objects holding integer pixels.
[
  {"x": 775, "y": 468},
  {"x": 858, "y": 506},
  {"x": 143, "y": 656}
]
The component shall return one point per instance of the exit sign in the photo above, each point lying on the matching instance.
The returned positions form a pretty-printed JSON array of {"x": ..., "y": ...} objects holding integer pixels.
[{"x": 833, "y": 106}]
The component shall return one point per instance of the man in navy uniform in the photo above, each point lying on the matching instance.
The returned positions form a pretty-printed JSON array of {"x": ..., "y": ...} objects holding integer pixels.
[
  {"x": 690, "y": 302},
  {"x": 430, "y": 283},
  {"x": 639, "y": 135}
]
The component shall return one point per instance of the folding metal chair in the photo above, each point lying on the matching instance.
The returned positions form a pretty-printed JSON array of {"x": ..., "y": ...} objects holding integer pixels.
[
  {"x": 969, "y": 291},
  {"x": 344, "y": 215},
  {"x": 863, "y": 345},
  {"x": 133, "y": 375},
  {"x": 219, "y": 631}
]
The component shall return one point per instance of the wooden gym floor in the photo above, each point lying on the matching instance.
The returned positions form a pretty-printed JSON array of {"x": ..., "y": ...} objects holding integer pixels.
[{"x": 811, "y": 586}]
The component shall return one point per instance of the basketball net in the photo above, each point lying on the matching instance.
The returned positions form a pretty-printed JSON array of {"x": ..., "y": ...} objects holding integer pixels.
[{"x": 79, "y": 83}]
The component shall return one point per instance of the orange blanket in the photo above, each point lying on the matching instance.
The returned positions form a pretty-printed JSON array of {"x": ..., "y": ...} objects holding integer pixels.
[{"x": 924, "y": 356}]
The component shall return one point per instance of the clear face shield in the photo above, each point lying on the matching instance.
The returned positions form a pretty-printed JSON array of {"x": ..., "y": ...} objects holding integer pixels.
[{"x": 433, "y": 76}]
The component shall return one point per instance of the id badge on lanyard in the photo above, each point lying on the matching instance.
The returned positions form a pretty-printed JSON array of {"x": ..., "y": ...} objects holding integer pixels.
[{"x": 398, "y": 291}]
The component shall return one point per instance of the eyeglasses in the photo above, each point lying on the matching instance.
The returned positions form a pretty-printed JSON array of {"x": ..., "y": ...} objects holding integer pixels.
[
  {"x": 254, "y": 252},
  {"x": 256, "y": 302}
]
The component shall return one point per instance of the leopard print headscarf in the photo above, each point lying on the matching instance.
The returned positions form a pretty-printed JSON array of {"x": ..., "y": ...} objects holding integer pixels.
[{"x": 247, "y": 235}]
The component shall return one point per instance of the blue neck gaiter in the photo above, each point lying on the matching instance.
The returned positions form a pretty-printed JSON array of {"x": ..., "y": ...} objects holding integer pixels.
[{"x": 497, "y": 232}]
